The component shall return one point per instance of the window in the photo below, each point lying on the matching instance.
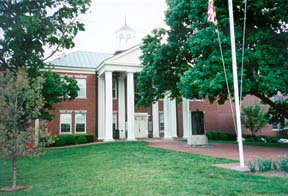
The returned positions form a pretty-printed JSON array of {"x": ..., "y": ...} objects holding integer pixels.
[
  {"x": 198, "y": 98},
  {"x": 114, "y": 89},
  {"x": 280, "y": 126},
  {"x": 114, "y": 125},
  {"x": 82, "y": 87},
  {"x": 161, "y": 120},
  {"x": 275, "y": 126},
  {"x": 65, "y": 123},
  {"x": 80, "y": 122}
]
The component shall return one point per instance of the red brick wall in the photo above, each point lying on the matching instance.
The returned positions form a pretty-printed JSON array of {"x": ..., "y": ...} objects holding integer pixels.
[
  {"x": 89, "y": 104},
  {"x": 216, "y": 117},
  {"x": 219, "y": 117}
]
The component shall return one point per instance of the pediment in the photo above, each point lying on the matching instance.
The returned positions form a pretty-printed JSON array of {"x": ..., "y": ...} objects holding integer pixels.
[{"x": 128, "y": 57}]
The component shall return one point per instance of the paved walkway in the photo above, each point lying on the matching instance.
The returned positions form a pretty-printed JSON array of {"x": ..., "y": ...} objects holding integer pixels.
[{"x": 229, "y": 151}]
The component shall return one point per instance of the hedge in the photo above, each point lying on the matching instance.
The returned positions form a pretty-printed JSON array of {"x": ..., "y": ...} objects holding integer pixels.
[
  {"x": 220, "y": 135},
  {"x": 63, "y": 140},
  {"x": 81, "y": 139}
]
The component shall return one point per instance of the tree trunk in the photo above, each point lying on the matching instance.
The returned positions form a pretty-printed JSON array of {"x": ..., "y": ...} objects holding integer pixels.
[
  {"x": 14, "y": 178},
  {"x": 268, "y": 101}
]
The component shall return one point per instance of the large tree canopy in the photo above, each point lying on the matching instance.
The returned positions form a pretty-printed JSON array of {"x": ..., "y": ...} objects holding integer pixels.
[
  {"x": 185, "y": 59},
  {"x": 30, "y": 26}
]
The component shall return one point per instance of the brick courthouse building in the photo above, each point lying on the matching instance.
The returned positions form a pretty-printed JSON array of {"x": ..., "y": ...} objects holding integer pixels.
[{"x": 106, "y": 101}]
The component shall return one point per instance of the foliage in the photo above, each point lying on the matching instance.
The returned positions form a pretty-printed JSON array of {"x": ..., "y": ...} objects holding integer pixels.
[
  {"x": 20, "y": 102},
  {"x": 90, "y": 137},
  {"x": 81, "y": 139},
  {"x": 185, "y": 58},
  {"x": 107, "y": 169},
  {"x": 57, "y": 89},
  {"x": 60, "y": 141},
  {"x": 217, "y": 135},
  {"x": 267, "y": 164},
  {"x": 30, "y": 27},
  {"x": 63, "y": 140},
  {"x": 254, "y": 118},
  {"x": 252, "y": 166},
  {"x": 275, "y": 165},
  {"x": 69, "y": 139},
  {"x": 46, "y": 138},
  {"x": 264, "y": 164},
  {"x": 283, "y": 163}
]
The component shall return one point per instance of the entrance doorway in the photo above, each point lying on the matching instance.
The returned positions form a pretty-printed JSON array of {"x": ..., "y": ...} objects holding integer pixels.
[
  {"x": 197, "y": 123},
  {"x": 141, "y": 125}
]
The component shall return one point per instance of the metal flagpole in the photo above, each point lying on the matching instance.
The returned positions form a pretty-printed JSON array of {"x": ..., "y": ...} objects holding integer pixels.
[{"x": 235, "y": 80}]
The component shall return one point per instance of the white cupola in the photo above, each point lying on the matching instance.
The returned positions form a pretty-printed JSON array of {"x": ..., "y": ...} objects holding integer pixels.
[{"x": 125, "y": 37}]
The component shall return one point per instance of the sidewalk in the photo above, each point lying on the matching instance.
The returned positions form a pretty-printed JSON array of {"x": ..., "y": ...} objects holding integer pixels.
[{"x": 229, "y": 151}]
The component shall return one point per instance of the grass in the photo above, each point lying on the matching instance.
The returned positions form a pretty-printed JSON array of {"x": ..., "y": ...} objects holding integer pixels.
[{"x": 133, "y": 168}]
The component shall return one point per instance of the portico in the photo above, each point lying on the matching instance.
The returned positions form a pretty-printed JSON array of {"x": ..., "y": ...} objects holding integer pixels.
[{"x": 122, "y": 68}]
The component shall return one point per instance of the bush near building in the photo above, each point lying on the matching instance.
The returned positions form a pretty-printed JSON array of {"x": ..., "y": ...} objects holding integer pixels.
[{"x": 63, "y": 140}]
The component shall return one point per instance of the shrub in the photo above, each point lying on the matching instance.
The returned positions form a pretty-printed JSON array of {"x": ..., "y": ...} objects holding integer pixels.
[
  {"x": 82, "y": 139},
  {"x": 89, "y": 137},
  {"x": 213, "y": 135},
  {"x": 275, "y": 165},
  {"x": 60, "y": 141},
  {"x": 63, "y": 140},
  {"x": 254, "y": 118},
  {"x": 70, "y": 139},
  {"x": 283, "y": 163},
  {"x": 264, "y": 164},
  {"x": 46, "y": 138},
  {"x": 252, "y": 166},
  {"x": 270, "y": 139}
]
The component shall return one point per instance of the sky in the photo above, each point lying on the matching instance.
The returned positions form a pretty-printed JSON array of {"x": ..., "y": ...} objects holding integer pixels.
[{"x": 106, "y": 16}]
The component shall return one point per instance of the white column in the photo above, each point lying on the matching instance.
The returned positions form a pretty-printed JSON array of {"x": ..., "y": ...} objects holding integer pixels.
[
  {"x": 130, "y": 106},
  {"x": 166, "y": 108},
  {"x": 121, "y": 106},
  {"x": 155, "y": 114},
  {"x": 186, "y": 119},
  {"x": 101, "y": 108},
  {"x": 173, "y": 118},
  {"x": 108, "y": 106},
  {"x": 37, "y": 129}
]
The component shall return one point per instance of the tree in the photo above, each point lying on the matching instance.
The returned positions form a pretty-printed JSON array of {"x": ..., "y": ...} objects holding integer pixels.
[
  {"x": 30, "y": 26},
  {"x": 254, "y": 118},
  {"x": 185, "y": 59},
  {"x": 20, "y": 101}
]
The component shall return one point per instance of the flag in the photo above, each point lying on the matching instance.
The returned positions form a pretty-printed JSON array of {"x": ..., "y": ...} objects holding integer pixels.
[{"x": 212, "y": 13}]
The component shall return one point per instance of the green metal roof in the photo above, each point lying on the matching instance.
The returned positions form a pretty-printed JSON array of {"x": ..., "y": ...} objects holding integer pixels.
[{"x": 81, "y": 59}]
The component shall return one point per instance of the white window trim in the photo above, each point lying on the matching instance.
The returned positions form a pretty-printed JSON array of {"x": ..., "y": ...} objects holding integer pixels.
[
  {"x": 63, "y": 75},
  {"x": 279, "y": 127},
  {"x": 80, "y": 112},
  {"x": 84, "y": 97},
  {"x": 197, "y": 100},
  {"x": 65, "y": 112},
  {"x": 80, "y": 77}
]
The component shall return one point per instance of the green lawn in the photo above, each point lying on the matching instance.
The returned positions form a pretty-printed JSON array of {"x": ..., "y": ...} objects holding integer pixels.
[{"x": 133, "y": 168}]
